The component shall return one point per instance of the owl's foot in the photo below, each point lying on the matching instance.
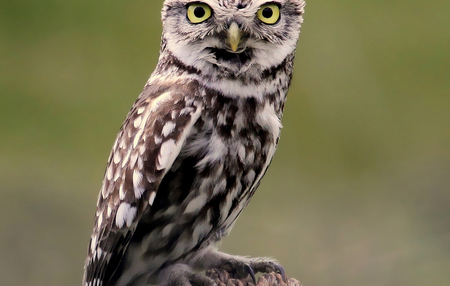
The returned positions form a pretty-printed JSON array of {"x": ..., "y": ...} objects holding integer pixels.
[
  {"x": 243, "y": 266},
  {"x": 223, "y": 278},
  {"x": 239, "y": 266},
  {"x": 182, "y": 275}
]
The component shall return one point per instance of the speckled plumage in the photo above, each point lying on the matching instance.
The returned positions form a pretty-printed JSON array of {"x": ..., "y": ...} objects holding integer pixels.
[{"x": 194, "y": 147}]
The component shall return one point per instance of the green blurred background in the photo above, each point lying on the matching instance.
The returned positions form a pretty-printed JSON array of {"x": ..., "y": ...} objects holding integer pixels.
[{"x": 358, "y": 192}]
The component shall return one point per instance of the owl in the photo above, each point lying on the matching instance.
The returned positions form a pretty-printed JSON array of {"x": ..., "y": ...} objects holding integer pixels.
[{"x": 195, "y": 145}]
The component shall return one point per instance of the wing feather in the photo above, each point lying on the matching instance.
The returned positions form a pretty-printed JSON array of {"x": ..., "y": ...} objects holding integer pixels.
[{"x": 146, "y": 147}]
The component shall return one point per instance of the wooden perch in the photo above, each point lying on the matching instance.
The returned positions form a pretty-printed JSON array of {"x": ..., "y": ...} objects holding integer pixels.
[{"x": 223, "y": 278}]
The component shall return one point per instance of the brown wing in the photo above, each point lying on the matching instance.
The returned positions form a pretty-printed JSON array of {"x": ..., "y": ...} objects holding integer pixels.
[{"x": 148, "y": 143}]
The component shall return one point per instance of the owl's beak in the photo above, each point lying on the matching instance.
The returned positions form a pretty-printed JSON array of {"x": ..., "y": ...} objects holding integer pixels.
[{"x": 234, "y": 36}]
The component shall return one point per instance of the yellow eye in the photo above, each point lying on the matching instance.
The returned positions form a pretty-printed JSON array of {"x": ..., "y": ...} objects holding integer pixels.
[
  {"x": 198, "y": 12},
  {"x": 269, "y": 13}
]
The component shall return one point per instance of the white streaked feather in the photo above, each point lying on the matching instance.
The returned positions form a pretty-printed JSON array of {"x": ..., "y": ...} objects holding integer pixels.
[
  {"x": 109, "y": 173},
  {"x": 220, "y": 186},
  {"x": 141, "y": 109},
  {"x": 166, "y": 153},
  {"x": 127, "y": 157},
  {"x": 137, "y": 122},
  {"x": 138, "y": 185},
  {"x": 109, "y": 210},
  {"x": 167, "y": 229},
  {"x": 117, "y": 174},
  {"x": 196, "y": 204},
  {"x": 152, "y": 198},
  {"x": 268, "y": 120},
  {"x": 168, "y": 128},
  {"x": 125, "y": 215},
  {"x": 100, "y": 220},
  {"x": 121, "y": 191},
  {"x": 133, "y": 159},
  {"x": 93, "y": 242}
]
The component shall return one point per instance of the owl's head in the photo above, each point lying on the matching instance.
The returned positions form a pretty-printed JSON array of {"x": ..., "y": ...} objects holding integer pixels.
[{"x": 231, "y": 36}]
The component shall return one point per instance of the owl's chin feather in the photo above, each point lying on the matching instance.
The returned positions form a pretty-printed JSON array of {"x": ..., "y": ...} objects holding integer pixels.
[{"x": 238, "y": 59}]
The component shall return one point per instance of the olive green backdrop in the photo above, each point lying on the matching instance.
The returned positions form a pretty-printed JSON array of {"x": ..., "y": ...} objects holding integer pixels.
[{"x": 359, "y": 190}]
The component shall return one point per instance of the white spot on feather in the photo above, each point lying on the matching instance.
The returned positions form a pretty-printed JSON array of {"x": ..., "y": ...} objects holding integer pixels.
[
  {"x": 186, "y": 110},
  {"x": 220, "y": 187},
  {"x": 127, "y": 157},
  {"x": 151, "y": 200},
  {"x": 168, "y": 128},
  {"x": 221, "y": 118},
  {"x": 121, "y": 191},
  {"x": 109, "y": 173},
  {"x": 167, "y": 229},
  {"x": 137, "y": 122},
  {"x": 139, "y": 189},
  {"x": 156, "y": 103},
  {"x": 93, "y": 243},
  {"x": 241, "y": 153},
  {"x": 250, "y": 177},
  {"x": 133, "y": 159},
  {"x": 268, "y": 120},
  {"x": 196, "y": 204},
  {"x": 103, "y": 191},
  {"x": 99, "y": 253},
  {"x": 205, "y": 185},
  {"x": 123, "y": 144},
  {"x": 141, "y": 109},
  {"x": 158, "y": 140},
  {"x": 167, "y": 154},
  {"x": 150, "y": 177},
  {"x": 100, "y": 220},
  {"x": 117, "y": 175},
  {"x": 115, "y": 144},
  {"x": 140, "y": 163},
  {"x": 125, "y": 215},
  {"x": 142, "y": 149},
  {"x": 136, "y": 139}
]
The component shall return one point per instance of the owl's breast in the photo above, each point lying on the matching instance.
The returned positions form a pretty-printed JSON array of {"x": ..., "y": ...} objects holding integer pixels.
[{"x": 233, "y": 144}]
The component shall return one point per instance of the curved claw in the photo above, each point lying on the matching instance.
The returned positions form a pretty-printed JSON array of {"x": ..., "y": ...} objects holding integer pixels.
[
  {"x": 250, "y": 271},
  {"x": 280, "y": 270}
]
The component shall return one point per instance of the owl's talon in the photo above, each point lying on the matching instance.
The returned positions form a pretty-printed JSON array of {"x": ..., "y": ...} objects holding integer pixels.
[
  {"x": 281, "y": 271},
  {"x": 251, "y": 272}
]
